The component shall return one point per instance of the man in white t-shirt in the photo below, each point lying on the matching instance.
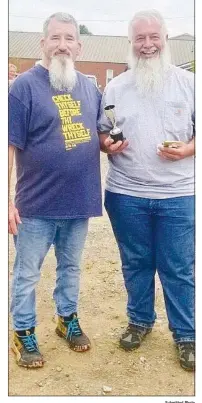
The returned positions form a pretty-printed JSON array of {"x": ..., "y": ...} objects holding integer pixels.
[{"x": 150, "y": 186}]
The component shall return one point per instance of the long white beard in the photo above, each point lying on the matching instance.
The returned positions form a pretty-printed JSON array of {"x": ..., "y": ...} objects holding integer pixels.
[
  {"x": 149, "y": 74},
  {"x": 62, "y": 73}
]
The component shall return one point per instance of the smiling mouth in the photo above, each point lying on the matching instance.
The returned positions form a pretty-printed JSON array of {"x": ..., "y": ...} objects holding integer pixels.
[
  {"x": 149, "y": 53},
  {"x": 62, "y": 54}
]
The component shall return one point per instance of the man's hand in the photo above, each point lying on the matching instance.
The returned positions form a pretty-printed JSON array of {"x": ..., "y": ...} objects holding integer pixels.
[
  {"x": 13, "y": 219},
  {"x": 175, "y": 154},
  {"x": 107, "y": 145}
]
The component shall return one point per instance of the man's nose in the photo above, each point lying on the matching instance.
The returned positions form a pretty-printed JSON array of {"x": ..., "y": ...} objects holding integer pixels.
[
  {"x": 148, "y": 43},
  {"x": 62, "y": 44}
]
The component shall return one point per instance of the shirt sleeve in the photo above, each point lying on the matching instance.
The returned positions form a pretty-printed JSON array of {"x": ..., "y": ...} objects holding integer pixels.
[
  {"x": 18, "y": 122},
  {"x": 193, "y": 122},
  {"x": 99, "y": 98},
  {"x": 104, "y": 124}
]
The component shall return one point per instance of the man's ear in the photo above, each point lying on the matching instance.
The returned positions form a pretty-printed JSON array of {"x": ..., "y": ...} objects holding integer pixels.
[
  {"x": 42, "y": 43},
  {"x": 79, "y": 47}
]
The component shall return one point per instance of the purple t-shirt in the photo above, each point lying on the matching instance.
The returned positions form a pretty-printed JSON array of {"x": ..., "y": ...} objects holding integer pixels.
[{"x": 57, "y": 147}]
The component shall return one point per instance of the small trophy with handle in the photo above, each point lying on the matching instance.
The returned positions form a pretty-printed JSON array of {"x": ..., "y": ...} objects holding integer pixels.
[{"x": 116, "y": 133}]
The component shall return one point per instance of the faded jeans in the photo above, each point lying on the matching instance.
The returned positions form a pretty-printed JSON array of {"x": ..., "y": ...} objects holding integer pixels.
[{"x": 34, "y": 239}]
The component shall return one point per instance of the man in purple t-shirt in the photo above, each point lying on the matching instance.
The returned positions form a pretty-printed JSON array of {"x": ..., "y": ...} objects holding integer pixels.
[{"x": 53, "y": 113}]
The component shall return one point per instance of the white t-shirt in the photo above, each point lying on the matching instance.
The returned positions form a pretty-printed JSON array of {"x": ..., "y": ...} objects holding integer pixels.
[{"x": 145, "y": 123}]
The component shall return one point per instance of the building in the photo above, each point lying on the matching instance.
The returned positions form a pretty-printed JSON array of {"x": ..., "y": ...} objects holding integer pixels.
[
  {"x": 183, "y": 50},
  {"x": 102, "y": 56}
]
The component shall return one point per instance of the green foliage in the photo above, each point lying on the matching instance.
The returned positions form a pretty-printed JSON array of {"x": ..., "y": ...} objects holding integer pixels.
[
  {"x": 84, "y": 30},
  {"x": 193, "y": 67}
]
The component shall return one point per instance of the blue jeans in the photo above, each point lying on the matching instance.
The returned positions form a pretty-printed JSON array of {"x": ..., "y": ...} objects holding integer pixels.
[
  {"x": 34, "y": 238},
  {"x": 152, "y": 235}
]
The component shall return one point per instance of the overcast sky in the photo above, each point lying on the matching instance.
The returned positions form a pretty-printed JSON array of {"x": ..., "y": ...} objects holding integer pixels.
[{"x": 103, "y": 17}]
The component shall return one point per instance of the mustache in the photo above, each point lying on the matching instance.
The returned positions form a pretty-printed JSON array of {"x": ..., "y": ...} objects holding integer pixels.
[
  {"x": 63, "y": 53},
  {"x": 163, "y": 58}
]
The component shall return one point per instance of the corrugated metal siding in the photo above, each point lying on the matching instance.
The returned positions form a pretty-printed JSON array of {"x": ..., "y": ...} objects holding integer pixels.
[
  {"x": 25, "y": 45},
  {"x": 104, "y": 49},
  {"x": 181, "y": 51},
  {"x": 95, "y": 48}
]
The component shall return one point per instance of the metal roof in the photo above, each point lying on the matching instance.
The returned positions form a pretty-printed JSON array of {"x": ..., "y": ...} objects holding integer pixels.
[
  {"x": 97, "y": 48},
  {"x": 184, "y": 37}
]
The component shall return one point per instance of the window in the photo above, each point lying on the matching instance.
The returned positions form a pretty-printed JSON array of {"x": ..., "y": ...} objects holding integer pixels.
[{"x": 109, "y": 75}]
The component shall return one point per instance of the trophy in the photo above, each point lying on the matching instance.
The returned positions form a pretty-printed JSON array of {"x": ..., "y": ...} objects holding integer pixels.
[{"x": 116, "y": 133}]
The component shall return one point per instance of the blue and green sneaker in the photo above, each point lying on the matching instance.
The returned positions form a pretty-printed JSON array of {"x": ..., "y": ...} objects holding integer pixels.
[
  {"x": 26, "y": 349},
  {"x": 69, "y": 328}
]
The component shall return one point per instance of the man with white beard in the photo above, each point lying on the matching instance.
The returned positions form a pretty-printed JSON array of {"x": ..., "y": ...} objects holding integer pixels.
[
  {"x": 150, "y": 184},
  {"x": 53, "y": 112}
]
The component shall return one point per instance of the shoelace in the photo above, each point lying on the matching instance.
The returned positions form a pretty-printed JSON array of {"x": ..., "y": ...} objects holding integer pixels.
[
  {"x": 73, "y": 328},
  {"x": 135, "y": 330},
  {"x": 182, "y": 347},
  {"x": 30, "y": 342}
]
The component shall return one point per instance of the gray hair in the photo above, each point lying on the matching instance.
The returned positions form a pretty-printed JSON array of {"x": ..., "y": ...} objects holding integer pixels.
[
  {"x": 62, "y": 17},
  {"x": 147, "y": 15}
]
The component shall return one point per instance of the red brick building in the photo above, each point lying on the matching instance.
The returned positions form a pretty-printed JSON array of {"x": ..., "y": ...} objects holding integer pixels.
[{"x": 102, "y": 56}]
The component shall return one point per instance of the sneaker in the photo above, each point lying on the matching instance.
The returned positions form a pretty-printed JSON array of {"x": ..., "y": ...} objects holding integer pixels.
[
  {"x": 26, "y": 349},
  {"x": 186, "y": 352},
  {"x": 133, "y": 336},
  {"x": 69, "y": 328}
]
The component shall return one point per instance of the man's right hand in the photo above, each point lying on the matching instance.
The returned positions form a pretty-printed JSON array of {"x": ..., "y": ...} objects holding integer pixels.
[{"x": 13, "y": 219}]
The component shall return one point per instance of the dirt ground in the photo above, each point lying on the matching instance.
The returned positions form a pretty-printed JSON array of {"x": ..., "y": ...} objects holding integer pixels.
[{"x": 152, "y": 370}]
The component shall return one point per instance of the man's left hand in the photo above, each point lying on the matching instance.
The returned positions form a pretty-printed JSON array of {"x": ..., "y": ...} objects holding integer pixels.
[
  {"x": 175, "y": 154},
  {"x": 108, "y": 146}
]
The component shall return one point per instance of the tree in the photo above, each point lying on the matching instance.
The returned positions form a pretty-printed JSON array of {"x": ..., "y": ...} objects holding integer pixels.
[
  {"x": 84, "y": 30},
  {"x": 193, "y": 67}
]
